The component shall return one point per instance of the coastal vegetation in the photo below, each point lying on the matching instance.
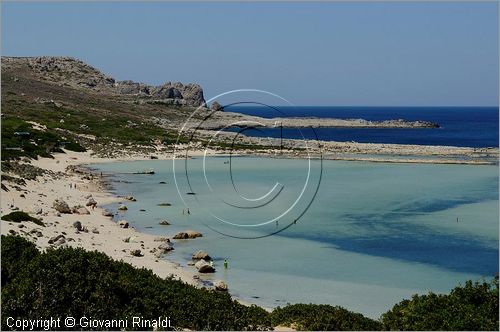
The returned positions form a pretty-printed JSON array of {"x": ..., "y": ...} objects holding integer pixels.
[
  {"x": 19, "y": 139},
  {"x": 74, "y": 282},
  {"x": 473, "y": 306},
  {"x": 20, "y": 216},
  {"x": 322, "y": 317}
]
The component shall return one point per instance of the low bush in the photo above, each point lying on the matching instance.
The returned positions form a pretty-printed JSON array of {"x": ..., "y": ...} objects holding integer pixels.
[
  {"x": 473, "y": 306},
  {"x": 19, "y": 216},
  {"x": 74, "y": 282},
  {"x": 322, "y": 317},
  {"x": 19, "y": 139}
]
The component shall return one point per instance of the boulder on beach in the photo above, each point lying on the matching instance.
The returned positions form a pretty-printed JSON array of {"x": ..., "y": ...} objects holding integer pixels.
[
  {"x": 78, "y": 226},
  {"x": 204, "y": 267},
  {"x": 36, "y": 232},
  {"x": 61, "y": 206},
  {"x": 164, "y": 222},
  {"x": 162, "y": 239},
  {"x": 80, "y": 210},
  {"x": 95, "y": 230},
  {"x": 122, "y": 207},
  {"x": 136, "y": 253},
  {"x": 200, "y": 254},
  {"x": 165, "y": 247},
  {"x": 123, "y": 224},
  {"x": 220, "y": 285},
  {"x": 107, "y": 213},
  {"x": 130, "y": 198},
  {"x": 91, "y": 202},
  {"x": 88, "y": 196},
  {"x": 56, "y": 240}
]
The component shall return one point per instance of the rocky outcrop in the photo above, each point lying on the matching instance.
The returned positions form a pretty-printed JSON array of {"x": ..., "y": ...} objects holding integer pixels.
[{"x": 77, "y": 74}]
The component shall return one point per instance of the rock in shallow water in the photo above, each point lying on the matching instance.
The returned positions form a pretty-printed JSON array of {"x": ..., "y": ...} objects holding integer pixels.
[
  {"x": 200, "y": 254},
  {"x": 122, "y": 207},
  {"x": 204, "y": 267}
]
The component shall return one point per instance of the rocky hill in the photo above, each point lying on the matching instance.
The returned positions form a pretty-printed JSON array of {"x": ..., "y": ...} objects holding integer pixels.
[{"x": 70, "y": 72}]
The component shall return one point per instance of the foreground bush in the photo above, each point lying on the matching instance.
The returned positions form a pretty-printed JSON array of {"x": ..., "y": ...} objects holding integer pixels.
[
  {"x": 73, "y": 282},
  {"x": 322, "y": 317},
  {"x": 470, "y": 307}
]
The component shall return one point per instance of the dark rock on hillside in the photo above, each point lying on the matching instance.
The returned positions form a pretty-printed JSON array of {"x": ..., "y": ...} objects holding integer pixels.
[{"x": 216, "y": 107}]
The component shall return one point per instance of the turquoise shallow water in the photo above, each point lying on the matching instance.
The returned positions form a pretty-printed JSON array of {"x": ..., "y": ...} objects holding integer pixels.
[{"x": 374, "y": 233}]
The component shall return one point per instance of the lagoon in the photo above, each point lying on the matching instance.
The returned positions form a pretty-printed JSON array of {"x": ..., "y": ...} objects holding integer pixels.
[{"x": 372, "y": 235}]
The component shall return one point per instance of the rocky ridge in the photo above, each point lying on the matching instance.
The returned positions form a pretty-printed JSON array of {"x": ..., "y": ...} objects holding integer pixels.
[{"x": 67, "y": 71}]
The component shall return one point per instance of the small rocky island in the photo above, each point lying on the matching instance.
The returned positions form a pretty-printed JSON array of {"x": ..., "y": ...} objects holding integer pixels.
[{"x": 221, "y": 120}]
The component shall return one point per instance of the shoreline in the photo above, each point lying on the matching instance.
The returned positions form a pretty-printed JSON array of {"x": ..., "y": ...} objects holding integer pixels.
[
  {"x": 110, "y": 237},
  {"x": 103, "y": 233}
]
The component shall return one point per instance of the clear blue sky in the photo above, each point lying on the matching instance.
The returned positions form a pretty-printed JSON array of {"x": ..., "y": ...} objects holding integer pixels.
[{"x": 414, "y": 54}]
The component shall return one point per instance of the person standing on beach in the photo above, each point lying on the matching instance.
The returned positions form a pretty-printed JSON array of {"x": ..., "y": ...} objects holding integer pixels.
[{"x": 225, "y": 263}]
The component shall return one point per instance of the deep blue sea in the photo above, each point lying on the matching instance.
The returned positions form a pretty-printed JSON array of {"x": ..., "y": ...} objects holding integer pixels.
[{"x": 459, "y": 126}]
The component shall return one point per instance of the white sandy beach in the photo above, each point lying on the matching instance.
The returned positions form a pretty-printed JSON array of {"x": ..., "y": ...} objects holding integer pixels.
[{"x": 42, "y": 192}]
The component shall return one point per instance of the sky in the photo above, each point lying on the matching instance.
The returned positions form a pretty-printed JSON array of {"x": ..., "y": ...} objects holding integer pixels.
[{"x": 323, "y": 53}]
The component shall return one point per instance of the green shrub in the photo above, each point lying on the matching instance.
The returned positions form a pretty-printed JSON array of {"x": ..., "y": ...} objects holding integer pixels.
[
  {"x": 19, "y": 216},
  {"x": 16, "y": 254},
  {"x": 74, "y": 146},
  {"x": 73, "y": 282},
  {"x": 473, "y": 306},
  {"x": 36, "y": 143},
  {"x": 322, "y": 317}
]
